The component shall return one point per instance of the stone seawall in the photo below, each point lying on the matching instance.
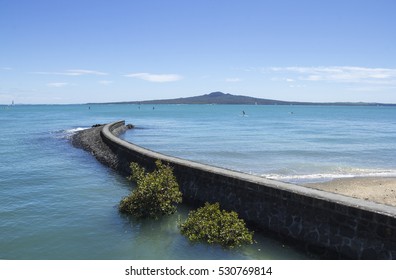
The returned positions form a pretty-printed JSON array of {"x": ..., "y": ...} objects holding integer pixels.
[{"x": 328, "y": 222}]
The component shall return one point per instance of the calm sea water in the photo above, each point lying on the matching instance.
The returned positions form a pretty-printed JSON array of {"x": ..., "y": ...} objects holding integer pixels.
[
  {"x": 58, "y": 202},
  {"x": 288, "y": 143}
]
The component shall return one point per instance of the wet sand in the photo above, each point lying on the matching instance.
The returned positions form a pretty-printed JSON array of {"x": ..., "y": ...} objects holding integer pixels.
[{"x": 378, "y": 189}]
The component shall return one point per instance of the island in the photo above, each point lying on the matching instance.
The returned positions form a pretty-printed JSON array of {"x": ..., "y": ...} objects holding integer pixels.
[{"x": 219, "y": 97}]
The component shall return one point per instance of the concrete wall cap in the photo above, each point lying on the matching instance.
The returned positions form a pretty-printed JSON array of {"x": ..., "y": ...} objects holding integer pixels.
[{"x": 288, "y": 187}]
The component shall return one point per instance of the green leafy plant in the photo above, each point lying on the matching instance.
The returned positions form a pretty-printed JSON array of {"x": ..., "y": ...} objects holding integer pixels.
[
  {"x": 213, "y": 225},
  {"x": 156, "y": 193}
]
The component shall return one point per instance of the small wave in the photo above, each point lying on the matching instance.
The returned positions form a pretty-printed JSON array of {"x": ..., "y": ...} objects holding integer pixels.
[
  {"x": 67, "y": 133},
  {"x": 323, "y": 177},
  {"x": 74, "y": 130}
]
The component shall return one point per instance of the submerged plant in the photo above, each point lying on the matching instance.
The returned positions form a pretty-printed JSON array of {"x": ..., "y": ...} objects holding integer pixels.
[
  {"x": 213, "y": 225},
  {"x": 156, "y": 193}
]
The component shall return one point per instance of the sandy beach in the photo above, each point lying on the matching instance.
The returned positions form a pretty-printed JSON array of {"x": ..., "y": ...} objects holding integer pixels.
[{"x": 378, "y": 189}]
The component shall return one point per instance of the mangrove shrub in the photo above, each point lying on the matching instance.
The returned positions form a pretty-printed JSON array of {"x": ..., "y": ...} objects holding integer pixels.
[
  {"x": 156, "y": 193},
  {"x": 213, "y": 225}
]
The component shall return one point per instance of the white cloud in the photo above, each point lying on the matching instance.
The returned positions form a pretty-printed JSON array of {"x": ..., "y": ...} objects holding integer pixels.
[
  {"x": 155, "y": 78},
  {"x": 6, "y": 68},
  {"x": 74, "y": 72},
  {"x": 288, "y": 80},
  {"x": 79, "y": 72},
  {"x": 342, "y": 74},
  {"x": 57, "y": 85},
  {"x": 105, "y": 82},
  {"x": 233, "y": 80},
  {"x": 297, "y": 86}
]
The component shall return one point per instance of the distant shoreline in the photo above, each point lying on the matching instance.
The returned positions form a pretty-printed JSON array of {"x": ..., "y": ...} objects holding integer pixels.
[{"x": 221, "y": 98}]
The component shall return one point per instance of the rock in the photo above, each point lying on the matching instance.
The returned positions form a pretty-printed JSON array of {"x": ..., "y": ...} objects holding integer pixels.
[{"x": 91, "y": 141}]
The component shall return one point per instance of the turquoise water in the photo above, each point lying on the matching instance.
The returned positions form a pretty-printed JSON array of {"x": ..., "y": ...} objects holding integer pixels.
[
  {"x": 288, "y": 143},
  {"x": 58, "y": 202}
]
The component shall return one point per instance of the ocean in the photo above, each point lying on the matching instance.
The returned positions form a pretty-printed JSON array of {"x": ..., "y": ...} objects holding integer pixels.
[
  {"x": 297, "y": 144},
  {"x": 58, "y": 202}
]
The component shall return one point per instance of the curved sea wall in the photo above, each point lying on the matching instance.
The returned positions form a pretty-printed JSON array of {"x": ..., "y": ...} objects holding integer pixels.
[{"x": 325, "y": 222}]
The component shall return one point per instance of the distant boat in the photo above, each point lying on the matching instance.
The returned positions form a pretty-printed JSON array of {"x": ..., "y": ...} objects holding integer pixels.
[{"x": 12, "y": 104}]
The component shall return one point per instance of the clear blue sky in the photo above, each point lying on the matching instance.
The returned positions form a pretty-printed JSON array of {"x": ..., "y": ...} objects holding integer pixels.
[{"x": 78, "y": 51}]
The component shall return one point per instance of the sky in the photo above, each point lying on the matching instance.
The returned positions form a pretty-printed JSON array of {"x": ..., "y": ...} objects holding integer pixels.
[{"x": 81, "y": 51}]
